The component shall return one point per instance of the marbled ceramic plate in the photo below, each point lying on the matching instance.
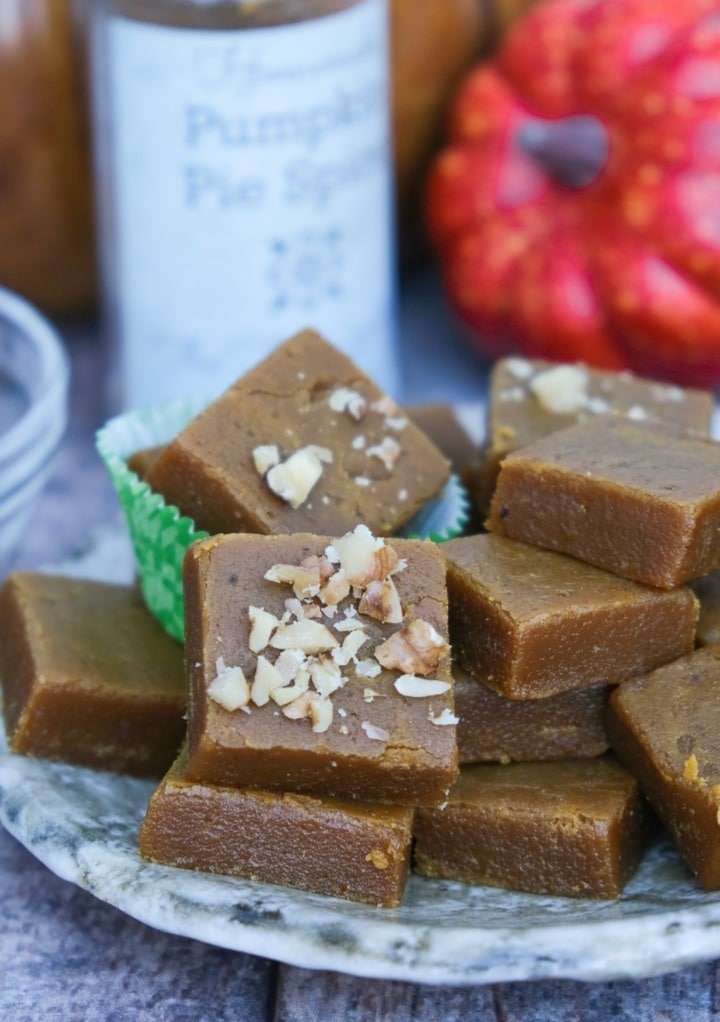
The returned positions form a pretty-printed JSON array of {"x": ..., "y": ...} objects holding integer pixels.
[{"x": 83, "y": 825}]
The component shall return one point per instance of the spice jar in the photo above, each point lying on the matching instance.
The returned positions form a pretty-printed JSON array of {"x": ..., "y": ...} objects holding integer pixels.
[
  {"x": 46, "y": 233},
  {"x": 245, "y": 186}
]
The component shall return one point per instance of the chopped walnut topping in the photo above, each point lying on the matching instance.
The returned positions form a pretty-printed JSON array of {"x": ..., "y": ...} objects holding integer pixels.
[
  {"x": 444, "y": 718},
  {"x": 306, "y": 636},
  {"x": 229, "y": 687},
  {"x": 289, "y": 663},
  {"x": 382, "y": 602},
  {"x": 299, "y": 706},
  {"x": 350, "y": 622},
  {"x": 293, "y": 479},
  {"x": 420, "y": 688},
  {"x": 326, "y": 676},
  {"x": 335, "y": 589},
  {"x": 368, "y": 668},
  {"x": 265, "y": 457},
  {"x": 267, "y": 679},
  {"x": 364, "y": 557},
  {"x": 384, "y": 405},
  {"x": 344, "y": 399},
  {"x": 362, "y": 481},
  {"x": 351, "y": 644},
  {"x": 562, "y": 389},
  {"x": 263, "y": 624},
  {"x": 304, "y": 580},
  {"x": 291, "y": 693},
  {"x": 387, "y": 451},
  {"x": 321, "y": 714},
  {"x": 377, "y": 734},
  {"x": 414, "y": 649}
]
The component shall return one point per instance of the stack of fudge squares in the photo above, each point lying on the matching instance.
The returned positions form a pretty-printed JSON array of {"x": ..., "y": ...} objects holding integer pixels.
[{"x": 513, "y": 707}]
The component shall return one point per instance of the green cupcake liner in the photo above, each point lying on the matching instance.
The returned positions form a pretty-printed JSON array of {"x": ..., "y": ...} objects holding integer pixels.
[{"x": 160, "y": 535}]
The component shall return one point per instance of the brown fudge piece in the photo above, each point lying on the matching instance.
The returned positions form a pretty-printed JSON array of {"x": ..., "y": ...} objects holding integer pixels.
[
  {"x": 364, "y": 739},
  {"x": 666, "y": 728},
  {"x": 141, "y": 461},
  {"x": 640, "y": 501},
  {"x": 89, "y": 677},
  {"x": 530, "y": 398},
  {"x": 441, "y": 424},
  {"x": 343, "y": 849},
  {"x": 707, "y": 590},
  {"x": 576, "y": 828},
  {"x": 532, "y": 623},
  {"x": 494, "y": 729},
  {"x": 306, "y": 402}
]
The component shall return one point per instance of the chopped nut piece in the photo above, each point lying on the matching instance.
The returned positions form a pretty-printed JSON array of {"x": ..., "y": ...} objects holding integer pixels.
[
  {"x": 415, "y": 649},
  {"x": 229, "y": 688},
  {"x": 387, "y": 451},
  {"x": 368, "y": 668},
  {"x": 381, "y": 601},
  {"x": 263, "y": 624},
  {"x": 346, "y": 400},
  {"x": 369, "y": 695},
  {"x": 377, "y": 734},
  {"x": 351, "y": 644},
  {"x": 290, "y": 694},
  {"x": 562, "y": 389},
  {"x": 364, "y": 557},
  {"x": 335, "y": 589},
  {"x": 299, "y": 707},
  {"x": 350, "y": 622},
  {"x": 446, "y": 717},
  {"x": 384, "y": 405},
  {"x": 267, "y": 679},
  {"x": 265, "y": 457},
  {"x": 304, "y": 580},
  {"x": 326, "y": 676},
  {"x": 289, "y": 663},
  {"x": 306, "y": 636},
  {"x": 293, "y": 479},
  {"x": 321, "y": 714},
  {"x": 419, "y": 688}
]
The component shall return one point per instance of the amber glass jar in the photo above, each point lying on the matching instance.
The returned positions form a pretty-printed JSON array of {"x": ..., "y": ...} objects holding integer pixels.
[
  {"x": 46, "y": 236},
  {"x": 245, "y": 179}
]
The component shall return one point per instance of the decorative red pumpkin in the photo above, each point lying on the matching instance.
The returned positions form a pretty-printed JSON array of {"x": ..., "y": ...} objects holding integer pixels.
[{"x": 576, "y": 207}]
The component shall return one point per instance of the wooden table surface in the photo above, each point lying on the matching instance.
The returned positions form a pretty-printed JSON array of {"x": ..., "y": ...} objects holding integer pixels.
[{"x": 66, "y": 956}]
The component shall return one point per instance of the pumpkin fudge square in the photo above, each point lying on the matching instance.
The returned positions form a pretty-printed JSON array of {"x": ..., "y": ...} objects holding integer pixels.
[
  {"x": 320, "y": 666},
  {"x": 304, "y": 442},
  {"x": 639, "y": 500}
]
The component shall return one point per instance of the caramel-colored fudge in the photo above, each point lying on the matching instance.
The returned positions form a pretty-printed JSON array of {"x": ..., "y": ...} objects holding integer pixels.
[
  {"x": 642, "y": 501},
  {"x": 342, "y": 648},
  {"x": 666, "y": 728},
  {"x": 576, "y": 828},
  {"x": 440, "y": 422},
  {"x": 494, "y": 729},
  {"x": 89, "y": 677},
  {"x": 304, "y": 442},
  {"x": 532, "y": 623},
  {"x": 530, "y": 398},
  {"x": 707, "y": 590},
  {"x": 347, "y": 850}
]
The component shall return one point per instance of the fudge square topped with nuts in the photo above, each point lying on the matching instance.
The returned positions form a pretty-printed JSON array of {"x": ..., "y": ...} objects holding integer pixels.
[
  {"x": 304, "y": 442},
  {"x": 320, "y": 666}
]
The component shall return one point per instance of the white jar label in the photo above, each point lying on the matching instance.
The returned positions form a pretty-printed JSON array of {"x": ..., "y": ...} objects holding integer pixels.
[{"x": 247, "y": 194}]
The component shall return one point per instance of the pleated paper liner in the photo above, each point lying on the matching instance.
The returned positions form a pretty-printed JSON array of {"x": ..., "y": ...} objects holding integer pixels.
[{"x": 160, "y": 534}]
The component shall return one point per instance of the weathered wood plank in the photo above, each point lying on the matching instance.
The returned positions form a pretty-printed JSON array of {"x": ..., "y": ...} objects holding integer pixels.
[
  {"x": 66, "y": 956},
  {"x": 687, "y": 996}
]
